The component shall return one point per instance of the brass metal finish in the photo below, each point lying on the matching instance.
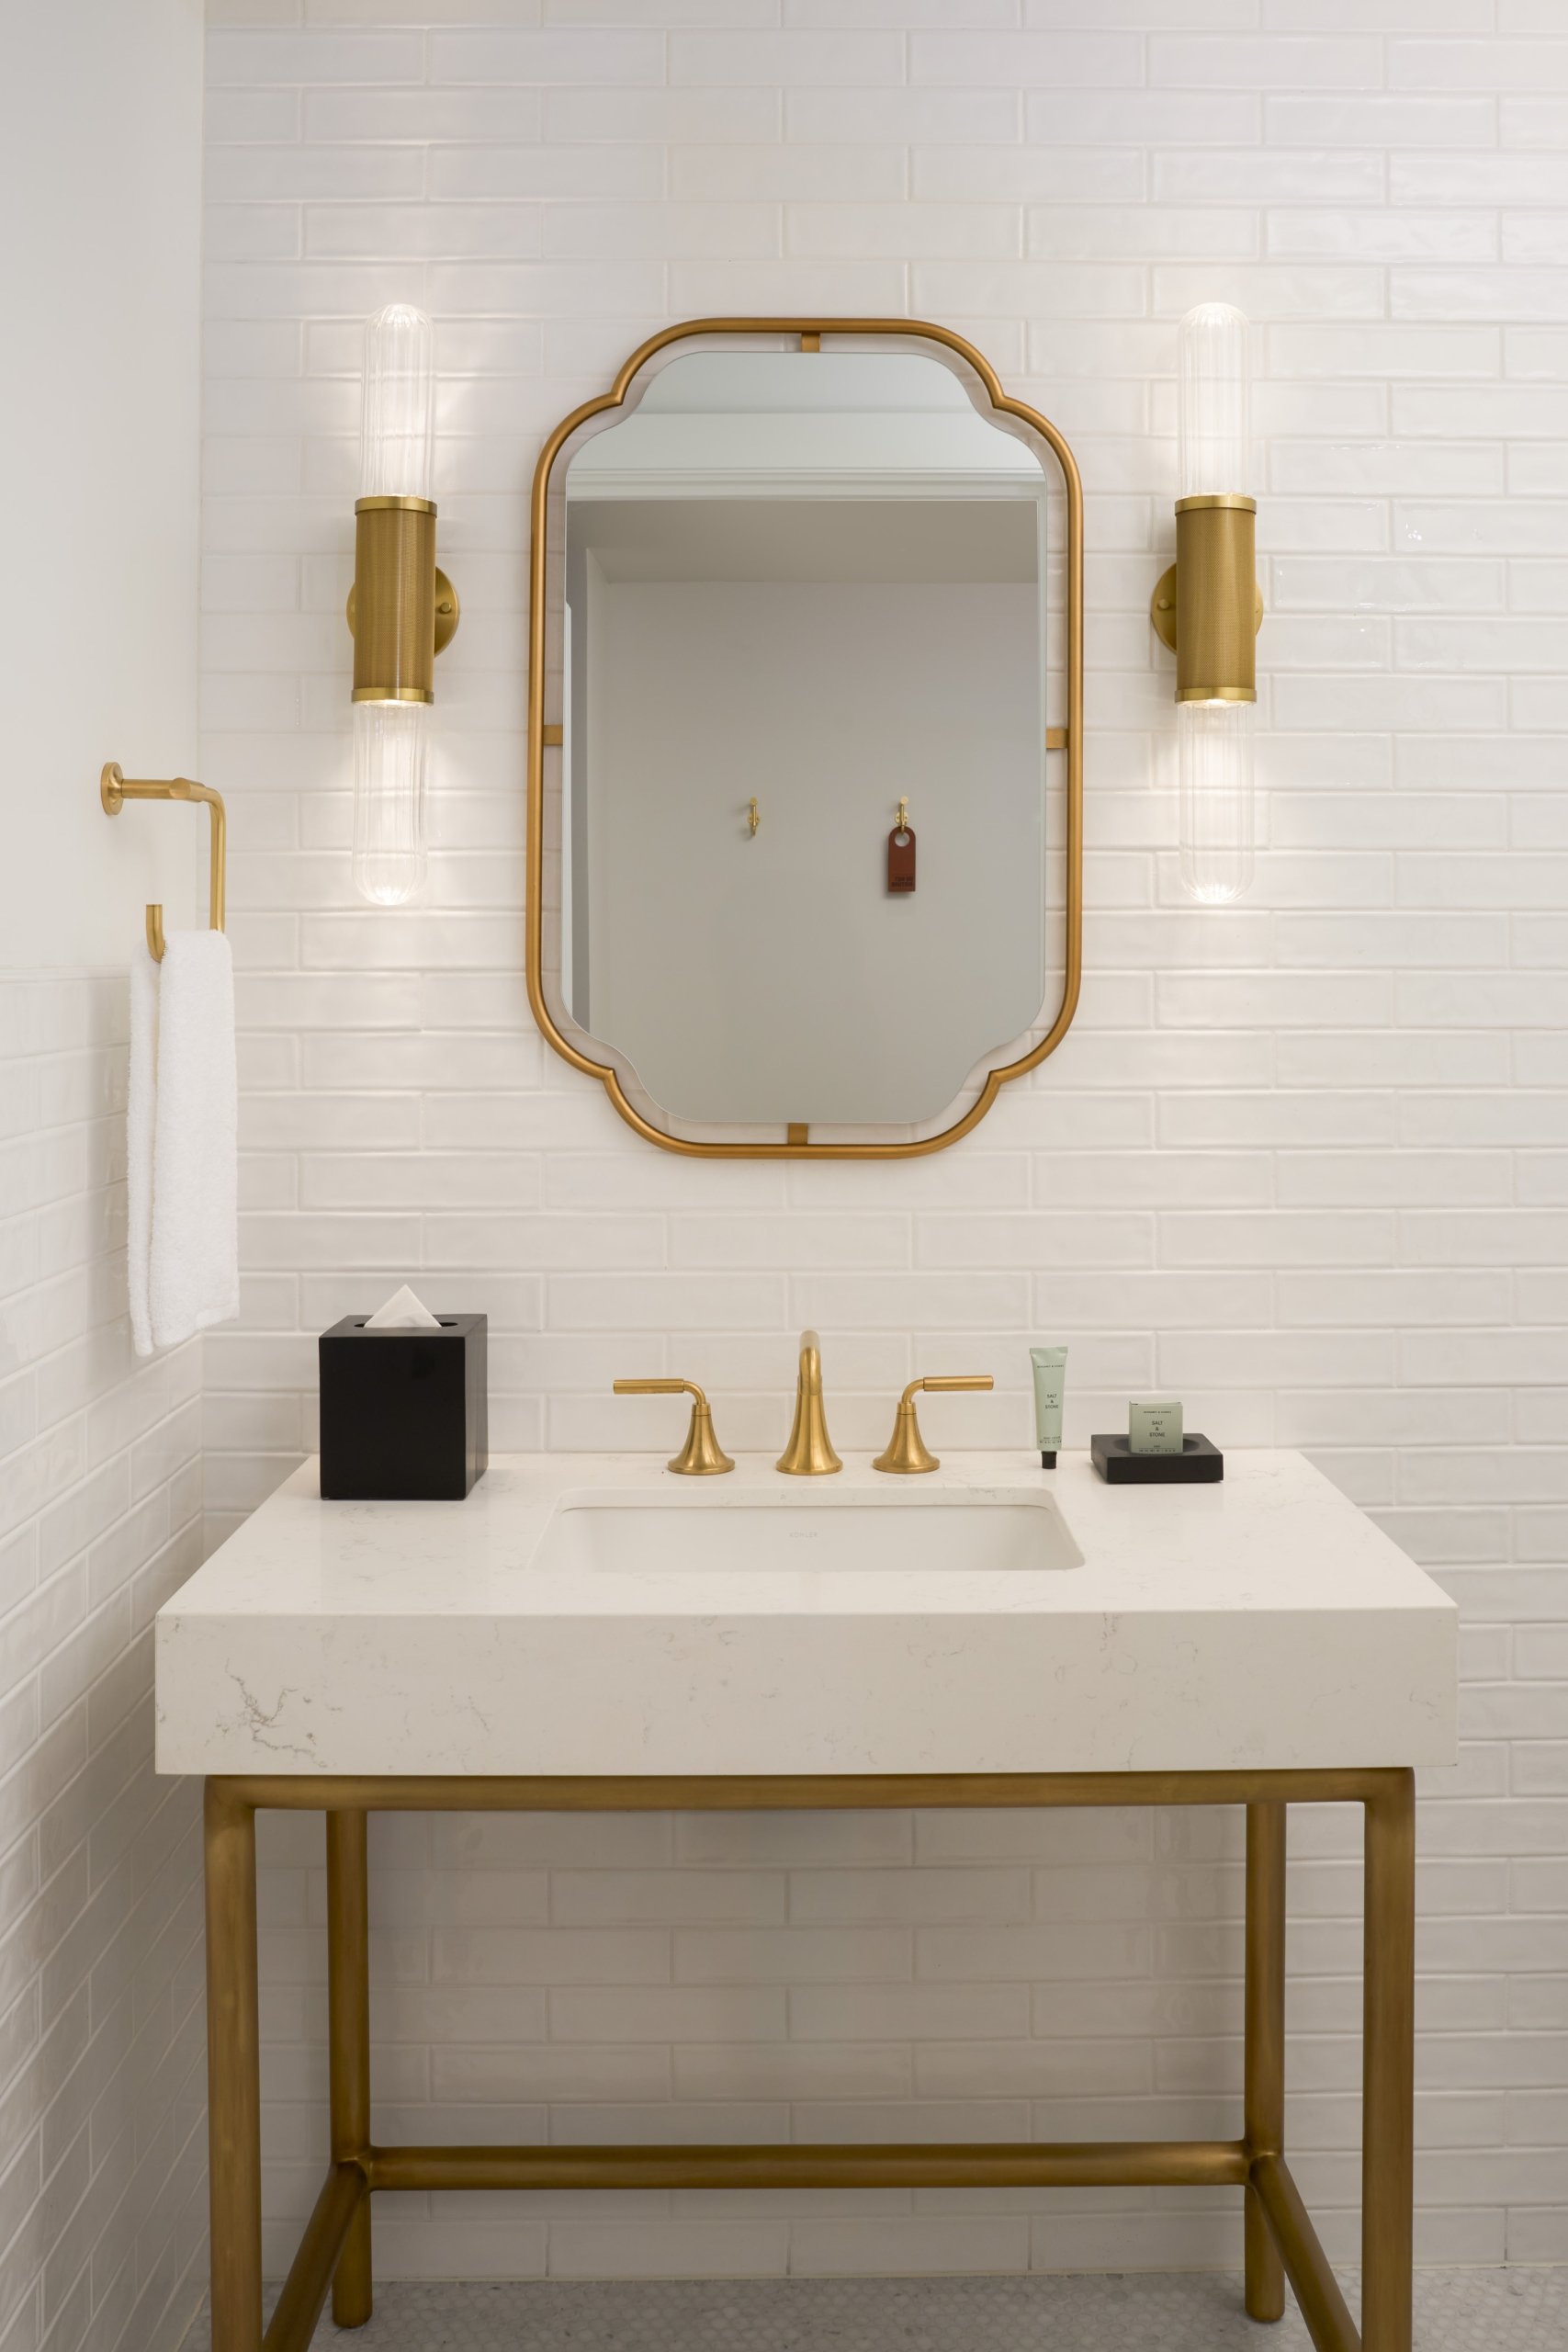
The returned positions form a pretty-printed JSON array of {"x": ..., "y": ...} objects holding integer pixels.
[
  {"x": 791, "y": 1791},
  {"x": 554, "y": 738},
  {"x": 115, "y": 790},
  {"x": 1316, "y": 2288},
  {"x": 343, "y": 2205},
  {"x": 1263, "y": 2121},
  {"x": 798, "y": 1130},
  {"x": 233, "y": 2071},
  {"x": 809, "y": 1454},
  {"x": 391, "y": 606},
  {"x": 1002, "y": 2163},
  {"x": 1207, "y": 607},
  {"x": 1387, "y": 1795},
  {"x": 348, "y": 2030},
  {"x": 1163, "y": 613},
  {"x": 1070, "y": 738},
  {"x": 908, "y": 1452},
  {"x": 448, "y": 611},
  {"x": 1216, "y": 567},
  {"x": 701, "y": 1456},
  {"x": 1388, "y": 2044},
  {"x": 1162, "y": 608},
  {"x": 753, "y": 817}
]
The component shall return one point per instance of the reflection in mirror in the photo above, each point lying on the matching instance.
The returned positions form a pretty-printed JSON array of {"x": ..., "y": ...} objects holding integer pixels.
[{"x": 800, "y": 590}]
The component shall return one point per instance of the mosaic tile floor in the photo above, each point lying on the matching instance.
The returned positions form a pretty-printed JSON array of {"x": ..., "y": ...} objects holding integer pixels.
[{"x": 1456, "y": 2311}]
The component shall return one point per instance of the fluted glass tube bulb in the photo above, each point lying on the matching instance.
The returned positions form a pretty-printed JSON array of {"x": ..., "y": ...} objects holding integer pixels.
[
  {"x": 1215, "y": 413},
  {"x": 1214, "y": 750},
  {"x": 396, "y": 461},
  {"x": 1216, "y": 739},
  {"x": 388, "y": 800},
  {"x": 397, "y": 431}
]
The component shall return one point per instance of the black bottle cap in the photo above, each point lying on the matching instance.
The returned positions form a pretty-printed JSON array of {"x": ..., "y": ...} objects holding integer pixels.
[{"x": 1047, "y": 1461}]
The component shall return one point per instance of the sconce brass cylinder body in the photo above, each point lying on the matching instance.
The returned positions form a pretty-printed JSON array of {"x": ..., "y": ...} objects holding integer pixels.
[
  {"x": 392, "y": 608},
  {"x": 1217, "y": 604}
]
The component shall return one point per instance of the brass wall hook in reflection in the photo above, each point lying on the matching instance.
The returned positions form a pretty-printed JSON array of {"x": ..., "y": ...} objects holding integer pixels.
[
  {"x": 903, "y": 816},
  {"x": 752, "y": 818},
  {"x": 115, "y": 790}
]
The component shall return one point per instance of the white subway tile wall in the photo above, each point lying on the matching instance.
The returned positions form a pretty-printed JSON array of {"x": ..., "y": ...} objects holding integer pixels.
[
  {"x": 1304, "y": 1163},
  {"x": 103, "y": 2197}
]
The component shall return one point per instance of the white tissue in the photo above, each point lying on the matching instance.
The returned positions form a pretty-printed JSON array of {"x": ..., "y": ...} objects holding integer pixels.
[{"x": 402, "y": 1312}]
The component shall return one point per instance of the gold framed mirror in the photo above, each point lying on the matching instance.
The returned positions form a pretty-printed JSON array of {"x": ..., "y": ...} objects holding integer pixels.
[{"x": 716, "y": 930}]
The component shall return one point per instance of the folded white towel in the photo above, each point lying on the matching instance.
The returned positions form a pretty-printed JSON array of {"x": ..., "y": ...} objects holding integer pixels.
[
  {"x": 181, "y": 1128},
  {"x": 141, "y": 1101}
]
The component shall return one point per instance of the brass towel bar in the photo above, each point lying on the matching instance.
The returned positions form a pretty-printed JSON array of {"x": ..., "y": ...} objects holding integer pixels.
[{"x": 115, "y": 790}]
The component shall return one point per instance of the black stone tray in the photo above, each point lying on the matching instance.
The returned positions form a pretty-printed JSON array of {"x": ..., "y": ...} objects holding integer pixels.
[{"x": 1199, "y": 1464}]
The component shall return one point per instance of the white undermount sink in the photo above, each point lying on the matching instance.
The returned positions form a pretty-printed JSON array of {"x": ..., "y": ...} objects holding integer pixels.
[{"x": 767, "y": 1531}]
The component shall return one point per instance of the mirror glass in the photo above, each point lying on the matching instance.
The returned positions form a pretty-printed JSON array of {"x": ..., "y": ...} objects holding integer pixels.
[{"x": 802, "y": 589}]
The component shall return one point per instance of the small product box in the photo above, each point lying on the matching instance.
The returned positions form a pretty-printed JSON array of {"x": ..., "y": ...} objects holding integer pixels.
[
  {"x": 404, "y": 1412},
  {"x": 1154, "y": 1425}
]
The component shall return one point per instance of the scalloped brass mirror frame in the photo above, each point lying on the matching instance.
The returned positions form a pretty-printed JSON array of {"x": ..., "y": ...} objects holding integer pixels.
[{"x": 795, "y": 1143}]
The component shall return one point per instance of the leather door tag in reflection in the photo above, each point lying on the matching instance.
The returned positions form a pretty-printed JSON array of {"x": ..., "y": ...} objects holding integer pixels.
[{"x": 900, "y": 860}]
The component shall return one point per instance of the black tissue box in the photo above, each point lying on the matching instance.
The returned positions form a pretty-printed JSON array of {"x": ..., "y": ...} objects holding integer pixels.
[
  {"x": 1199, "y": 1464},
  {"x": 405, "y": 1414}
]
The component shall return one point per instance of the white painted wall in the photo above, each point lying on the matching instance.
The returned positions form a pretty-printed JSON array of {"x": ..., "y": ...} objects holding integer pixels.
[
  {"x": 1304, "y": 1163},
  {"x": 100, "y": 177},
  {"x": 102, "y": 2181}
]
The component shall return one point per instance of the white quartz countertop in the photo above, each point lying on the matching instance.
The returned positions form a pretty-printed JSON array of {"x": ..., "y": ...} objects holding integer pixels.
[{"x": 1261, "y": 1623}]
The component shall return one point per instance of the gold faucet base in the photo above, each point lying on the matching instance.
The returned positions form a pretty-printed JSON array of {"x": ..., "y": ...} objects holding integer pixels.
[
  {"x": 701, "y": 1456},
  {"x": 907, "y": 1453},
  {"x": 809, "y": 1454}
]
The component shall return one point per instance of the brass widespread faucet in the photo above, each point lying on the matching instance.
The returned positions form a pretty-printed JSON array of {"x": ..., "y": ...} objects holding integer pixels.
[{"x": 809, "y": 1454}]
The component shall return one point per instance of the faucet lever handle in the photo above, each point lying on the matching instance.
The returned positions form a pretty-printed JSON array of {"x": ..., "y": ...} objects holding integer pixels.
[
  {"x": 908, "y": 1452},
  {"x": 701, "y": 1456}
]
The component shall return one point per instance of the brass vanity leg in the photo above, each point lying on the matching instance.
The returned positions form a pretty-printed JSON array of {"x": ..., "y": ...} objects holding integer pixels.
[
  {"x": 1264, "y": 2126},
  {"x": 348, "y": 2029},
  {"x": 1388, "y": 2065},
  {"x": 233, "y": 2072}
]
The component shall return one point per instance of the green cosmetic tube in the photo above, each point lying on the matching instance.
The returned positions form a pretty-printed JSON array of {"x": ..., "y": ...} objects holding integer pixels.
[{"x": 1050, "y": 1382}]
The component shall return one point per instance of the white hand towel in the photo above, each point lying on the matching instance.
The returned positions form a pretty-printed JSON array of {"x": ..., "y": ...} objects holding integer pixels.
[
  {"x": 184, "y": 1247},
  {"x": 141, "y": 1101}
]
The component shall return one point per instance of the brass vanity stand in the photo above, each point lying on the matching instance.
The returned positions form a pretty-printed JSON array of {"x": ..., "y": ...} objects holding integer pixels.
[{"x": 1279, "y": 2236}]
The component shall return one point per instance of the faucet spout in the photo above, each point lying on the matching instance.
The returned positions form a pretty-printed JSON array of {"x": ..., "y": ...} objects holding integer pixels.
[{"x": 809, "y": 1454}]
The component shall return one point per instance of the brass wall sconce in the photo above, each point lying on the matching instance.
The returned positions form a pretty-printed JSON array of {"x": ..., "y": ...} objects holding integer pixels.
[
  {"x": 1207, "y": 607},
  {"x": 402, "y": 609},
  {"x": 115, "y": 790}
]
